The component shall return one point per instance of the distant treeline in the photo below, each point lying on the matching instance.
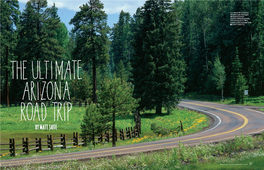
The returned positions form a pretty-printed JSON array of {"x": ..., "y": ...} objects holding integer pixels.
[{"x": 178, "y": 43}]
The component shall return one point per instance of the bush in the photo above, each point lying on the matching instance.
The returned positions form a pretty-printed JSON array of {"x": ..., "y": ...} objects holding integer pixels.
[
  {"x": 93, "y": 123},
  {"x": 160, "y": 130}
]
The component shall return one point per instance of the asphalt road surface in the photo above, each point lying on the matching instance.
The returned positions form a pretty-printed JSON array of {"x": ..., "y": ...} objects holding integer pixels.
[{"x": 229, "y": 121}]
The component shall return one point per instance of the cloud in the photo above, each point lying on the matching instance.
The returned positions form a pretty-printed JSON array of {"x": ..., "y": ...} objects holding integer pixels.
[{"x": 110, "y": 6}]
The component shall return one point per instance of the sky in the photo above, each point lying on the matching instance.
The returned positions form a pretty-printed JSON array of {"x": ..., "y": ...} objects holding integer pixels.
[{"x": 68, "y": 8}]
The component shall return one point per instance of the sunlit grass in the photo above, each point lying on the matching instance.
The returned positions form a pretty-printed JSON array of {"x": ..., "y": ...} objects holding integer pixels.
[{"x": 12, "y": 127}]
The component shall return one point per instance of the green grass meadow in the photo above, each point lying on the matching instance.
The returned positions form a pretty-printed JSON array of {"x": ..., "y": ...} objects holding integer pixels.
[{"x": 13, "y": 127}]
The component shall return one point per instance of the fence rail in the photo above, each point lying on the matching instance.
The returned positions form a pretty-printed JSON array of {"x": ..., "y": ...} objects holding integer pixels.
[{"x": 63, "y": 141}]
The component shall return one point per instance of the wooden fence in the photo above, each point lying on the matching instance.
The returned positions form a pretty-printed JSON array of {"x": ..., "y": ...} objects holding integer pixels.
[{"x": 63, "y": 142}]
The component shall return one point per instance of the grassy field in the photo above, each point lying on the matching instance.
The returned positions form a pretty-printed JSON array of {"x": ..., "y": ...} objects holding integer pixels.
[
  {"x": 251, "y": 100},
  {"x": 241, "y": 153},
  {"x": 13, "y": 127}
]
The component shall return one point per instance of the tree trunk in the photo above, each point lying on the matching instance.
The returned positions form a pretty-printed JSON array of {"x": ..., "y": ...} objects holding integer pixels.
[
  {"x": 205, "y": 52},
  {"x": 222, "y": 93},
  {"x": 94, "y": 64},
  {"x": 158, "y": 109},
  {"x": 94, "y": 81},
  {"x": 113, "y": 131},
  {"x": 260, "y": 74},
  {"x": 137, "y": 119},
  {"x": 242, "y": 96},
  {"x": 7, "y": 85}
]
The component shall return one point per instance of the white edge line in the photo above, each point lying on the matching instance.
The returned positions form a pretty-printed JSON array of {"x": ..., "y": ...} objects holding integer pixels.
[
  {"x": 207, "y": 113},
  {"x": 255, "y": 111}
]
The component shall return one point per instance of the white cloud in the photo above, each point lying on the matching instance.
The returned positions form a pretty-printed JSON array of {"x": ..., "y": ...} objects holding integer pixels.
[{"x": 110, "y": 6}]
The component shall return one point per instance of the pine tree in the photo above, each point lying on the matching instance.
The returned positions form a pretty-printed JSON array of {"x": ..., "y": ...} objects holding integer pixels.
[
  {"x": 256, "y": 77},
  {"x": 37, "y": 41},
  {"x": 121, "y": 36},
  {"x": 219, "y": 76},
  {"x": 236, "y": 71},
  {"x": 9, "y": 23},
  {"x": 29, "y": 43},
  {"x": 188, "y": 46},
  {"x": 128, "y": 72},
  {"x": 58, "y": 28},
  {"x": 158, "y": 70},
  {"x": 121, "y": 71},
  {"x": 240, "y": 88},
  {"x": 115, "y": 99},
  {"x": 91, "y": 37},
  {"x": 81, "y": 89},
  {"x": 93, "y": 123}
]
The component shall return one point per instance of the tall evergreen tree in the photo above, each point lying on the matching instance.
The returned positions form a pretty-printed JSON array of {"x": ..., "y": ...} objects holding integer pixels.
[
  {"x": 120, "y": 71},
  {"x": 236, "y": 71},
  {"x": 93, "y": 123},
  {"x": 121, "y": 36},
  {"x": 91, "y": 36},
  {"x": 9, "y": 23},
  {"x": 37, "y": 41},
  {"x": 256, "y": 76},
  {"x": 58, "y": 28},
  {"x": 241, "y": 86},
  {"x": 158, "y": 70},
  {"x": 115, "y": 99}
]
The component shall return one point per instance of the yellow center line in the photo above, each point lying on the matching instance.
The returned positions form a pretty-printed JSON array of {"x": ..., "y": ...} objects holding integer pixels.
[{"x": 80, "y": 154}]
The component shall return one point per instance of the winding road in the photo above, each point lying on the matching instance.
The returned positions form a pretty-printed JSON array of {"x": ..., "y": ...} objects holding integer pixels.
[{"x": 229, "y": 120}]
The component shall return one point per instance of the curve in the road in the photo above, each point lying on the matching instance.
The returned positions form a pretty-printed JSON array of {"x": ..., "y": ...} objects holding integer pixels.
[{"x": 229, "y": 121}]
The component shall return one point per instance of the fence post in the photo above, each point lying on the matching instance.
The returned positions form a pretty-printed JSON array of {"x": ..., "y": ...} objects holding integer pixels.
[
  {"x": 11, "y": 146},
  {"x": 77, "y": 138},
  {"x": 85, "y": 103},
  {"x": 74, "y": 139},
  {"x": 130, "y": 135},
  {"x": 14, "y": 147},
  {"x": 27, "y": 146},
  {"x": 23, "y": 145},
  {"x": 37, "y": 145},
  {"x": 120, "y": 132},
  {"x": 102, "y": 137},
  {"x": 40, "y": 145},
  {"x": 123, "y": 134},
  {"x": 136, "y": 131},
  {"x": 48, "y": 140},
  {"x": 51, "y": 143},
  {"x": 127, "y": 135},
  {"x": 181, "y": 126},
  {"x": 62, "y": 142}
]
